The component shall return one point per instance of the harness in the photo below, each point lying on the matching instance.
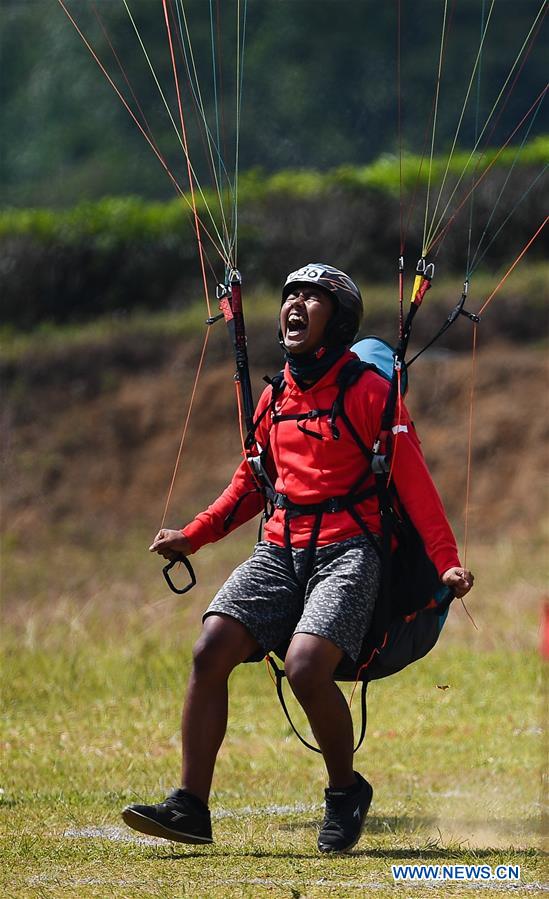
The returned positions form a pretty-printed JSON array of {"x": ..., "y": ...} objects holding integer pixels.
[
  {"x": 409, "y": 579},
  {"x": 348, "y": 375}
]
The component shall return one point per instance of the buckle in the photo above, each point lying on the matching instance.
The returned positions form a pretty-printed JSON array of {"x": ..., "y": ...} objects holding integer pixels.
[{"x": 380, "y": 464}]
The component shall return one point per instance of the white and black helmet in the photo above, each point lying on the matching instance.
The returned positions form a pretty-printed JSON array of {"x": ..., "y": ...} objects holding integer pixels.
[{"x": 349, "y": 307}]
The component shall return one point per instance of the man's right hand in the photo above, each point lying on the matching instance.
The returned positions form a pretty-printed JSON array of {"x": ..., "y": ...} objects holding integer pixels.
[{"x": 170, "y": 544}]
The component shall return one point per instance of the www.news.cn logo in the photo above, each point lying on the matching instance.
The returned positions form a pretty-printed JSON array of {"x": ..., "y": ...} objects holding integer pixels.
[{"x": 455, "y": 872}]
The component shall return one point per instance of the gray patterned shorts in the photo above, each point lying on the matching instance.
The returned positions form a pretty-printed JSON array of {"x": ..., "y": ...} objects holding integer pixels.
[{"x": 274, "y": 603}]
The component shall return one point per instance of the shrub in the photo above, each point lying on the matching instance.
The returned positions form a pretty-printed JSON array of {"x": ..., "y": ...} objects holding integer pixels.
[{"x": 123, "y": 254}]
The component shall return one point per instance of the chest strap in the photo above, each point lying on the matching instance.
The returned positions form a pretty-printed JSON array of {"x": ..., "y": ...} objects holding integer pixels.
[{"x": 311, "y": 415}]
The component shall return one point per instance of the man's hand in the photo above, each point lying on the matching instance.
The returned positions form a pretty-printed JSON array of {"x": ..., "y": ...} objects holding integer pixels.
[
  {"x": 460, "y": 580},
  {"x": 170, "y": 544}
]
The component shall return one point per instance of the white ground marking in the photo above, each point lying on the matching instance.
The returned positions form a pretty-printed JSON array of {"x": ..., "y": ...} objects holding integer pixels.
[
  {"x": 249, "y": 811},
  {"x": 113, "y": 833},
  {"x": 123, "y": 834}
]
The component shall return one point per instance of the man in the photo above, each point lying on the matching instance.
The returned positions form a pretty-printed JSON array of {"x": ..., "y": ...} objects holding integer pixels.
[{"x": 312, "y": 582}]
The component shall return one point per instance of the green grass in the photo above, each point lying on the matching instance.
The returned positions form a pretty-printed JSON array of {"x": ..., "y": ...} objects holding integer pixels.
[
  {"x": 94, "y": 678},
  {"x": 94, "y": 727}
]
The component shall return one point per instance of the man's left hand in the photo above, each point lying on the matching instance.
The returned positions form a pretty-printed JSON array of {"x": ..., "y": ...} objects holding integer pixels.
[{"x": 460, "y": 580}]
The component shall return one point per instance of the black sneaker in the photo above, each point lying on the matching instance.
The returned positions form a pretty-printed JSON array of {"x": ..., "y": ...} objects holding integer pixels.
[
  {"x": 181, "y": 817},
  {"x": 346, "y": 812}
]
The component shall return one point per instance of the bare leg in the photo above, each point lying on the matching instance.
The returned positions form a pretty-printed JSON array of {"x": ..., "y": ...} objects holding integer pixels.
[
  {"x": 223, "y": 644},
  {"x": 310, "y": 664}
]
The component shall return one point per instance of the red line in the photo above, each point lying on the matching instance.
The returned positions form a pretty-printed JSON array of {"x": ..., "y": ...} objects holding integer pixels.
[
  {"x": 515, "y": 79},
  {"x": 515, "y": 263},
  {"x": 469, "y": 446},
  {"x": 185, "y": 427},
  {"x": 472, "y": 400},
  {"x": 486, "y": 140},
  {"x": 441, "y": 233},
  {"x": 121, "y": 67},
  {"x": 136, "y": 100},
  {"x": 128, "y": 108},
  {"x": 120, "y": 96},
  {"x": 200, "y": 127},
  {"x": 401, "y": 303}
]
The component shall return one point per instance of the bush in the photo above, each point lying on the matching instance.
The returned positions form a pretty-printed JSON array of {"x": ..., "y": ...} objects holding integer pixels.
[{"x": 122, "y": 254}]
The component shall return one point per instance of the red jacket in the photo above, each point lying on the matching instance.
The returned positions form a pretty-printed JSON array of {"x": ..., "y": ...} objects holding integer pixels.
[{"x": 309, "y": 470}]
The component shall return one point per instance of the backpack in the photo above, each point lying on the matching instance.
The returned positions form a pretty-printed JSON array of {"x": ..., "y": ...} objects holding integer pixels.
[{"x": 412, "y": 606}]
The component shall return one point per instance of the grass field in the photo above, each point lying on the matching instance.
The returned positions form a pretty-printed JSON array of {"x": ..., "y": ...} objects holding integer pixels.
[{"x": 92, "y": 688}]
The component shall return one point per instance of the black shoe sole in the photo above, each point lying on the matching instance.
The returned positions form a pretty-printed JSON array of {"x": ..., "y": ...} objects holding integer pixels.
[
  {"x": 151, "y": 827},
  {"x": 330, "y": 850}
]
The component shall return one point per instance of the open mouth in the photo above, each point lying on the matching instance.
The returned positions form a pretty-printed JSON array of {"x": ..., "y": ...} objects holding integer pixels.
[{"x": 295, "y": 324}]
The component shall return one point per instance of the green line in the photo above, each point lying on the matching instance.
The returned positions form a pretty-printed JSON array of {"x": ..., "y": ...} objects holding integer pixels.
[
  {"x": 434, "y": 231},
  {"x": 179, "y": 136},
  {"x": 207, "y": 131},
  {"x": 463, "y": 108},
  {"x": 440, "y": 55},
  {"x": 239, "y": 89},
  {"x": 477, "y": 110},
  {"x": 513, "y": 210},
  {"x": 476, "y": 258},
  {"x": 216, "y": 104},
  {"x": 201, "y": 109},
  {"x": 216, "y": 144}
]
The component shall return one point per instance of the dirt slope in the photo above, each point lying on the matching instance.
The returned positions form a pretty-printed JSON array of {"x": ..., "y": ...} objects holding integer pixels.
[{"x": 90, "y": 447}]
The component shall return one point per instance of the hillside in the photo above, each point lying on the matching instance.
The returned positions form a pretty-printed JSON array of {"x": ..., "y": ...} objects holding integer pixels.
[{"x": 92, "y": 434}]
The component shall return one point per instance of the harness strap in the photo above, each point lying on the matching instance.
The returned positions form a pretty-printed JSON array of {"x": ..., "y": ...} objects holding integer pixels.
[
  {"x": 311, "y": 546},
  {"x": 279, "y": 677},
  {"x": 300, "y": 416},
  {"x": 382, "y": 609},
  {"x": 332, "y": 504},
  {"x": 311, "y": 415},
  {"x": 277, "y": 383},
  {"x": 311, "y": 549},
  {"x": 356, "y": 436},
  {"x": 366, "y": 531}
]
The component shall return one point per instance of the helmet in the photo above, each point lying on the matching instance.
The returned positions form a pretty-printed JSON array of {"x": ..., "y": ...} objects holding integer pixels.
[{"x": 349, "y": 308}]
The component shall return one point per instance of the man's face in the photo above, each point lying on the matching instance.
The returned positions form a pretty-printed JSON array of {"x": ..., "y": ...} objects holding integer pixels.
[{"x": 303, "y": 318}]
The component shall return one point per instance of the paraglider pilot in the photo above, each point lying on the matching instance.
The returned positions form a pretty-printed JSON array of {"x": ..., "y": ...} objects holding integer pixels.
[{"x": 317, "y": 599}]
